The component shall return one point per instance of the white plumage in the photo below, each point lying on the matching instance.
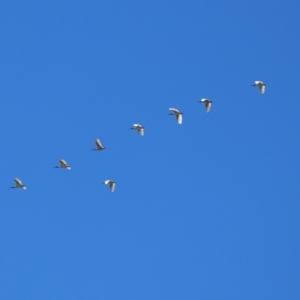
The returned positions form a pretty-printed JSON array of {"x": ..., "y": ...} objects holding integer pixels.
[
  {"x": 139, "y": 128},
  {"x": 63, "y": 165},
  {"x": 19, "y": 184},
  {"x": 177, "y": 113},
  {"x": 112, "y": 184},
  {"x": 99, "y": 145},
  {"x": 207, "y": 104},
  {"x": 261, "y": 86}
]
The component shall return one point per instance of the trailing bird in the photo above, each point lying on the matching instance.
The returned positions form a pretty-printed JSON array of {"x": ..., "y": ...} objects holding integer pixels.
[
  {"x": 139, "y": 128},
  {"x": 261, "y": 86},
  {"x": 177, "y": 113},
  {"x": 19, "y": 184},
  {"x": 98, "y": 145},
  {"x": 111, "y": 183},
  {"x": 63, "y": 165},
  {"x": 207, "y": 104}
]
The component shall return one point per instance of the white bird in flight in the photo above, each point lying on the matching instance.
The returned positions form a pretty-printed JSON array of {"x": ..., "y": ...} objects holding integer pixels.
[
  {"x": 177, "y": 113},
  {"x": 111, "y": 183},
  {"x": 63, "y": 165},
  {"x": 261, "y": 86},
  {"x": 19, "y": 184},
  {"x": 98, "y": 145},
  {"x": 139, "y": 128},
  {"x": 207, "y": 104}
]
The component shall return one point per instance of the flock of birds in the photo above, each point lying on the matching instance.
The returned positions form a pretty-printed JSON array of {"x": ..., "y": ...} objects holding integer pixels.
[{"x": 140, "y": 129}]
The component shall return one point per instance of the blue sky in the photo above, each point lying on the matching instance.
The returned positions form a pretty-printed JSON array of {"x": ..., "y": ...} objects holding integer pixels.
[{"x": 204, "y": 210}]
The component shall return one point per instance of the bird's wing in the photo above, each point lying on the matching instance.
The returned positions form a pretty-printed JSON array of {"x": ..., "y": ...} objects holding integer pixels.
[
  {"x": 179, "y": 118},
  {"x": 257, "y": 82},
  {"x": 107, "y": 181},
  {"x": 204, "y": 100},
  {"x": 137, "y": 125},
  {"x": 208, "y": 106},
  {"x": 63, "y": 163},
  {"x": 174, "y": 110},
  {"x": 98, "y": 144},
  {"x": 18, "y": 182},
  {"x": 141, "y": 131},
  {"x": 262, "y": 88},
  {"x": 112, "y": 186}
]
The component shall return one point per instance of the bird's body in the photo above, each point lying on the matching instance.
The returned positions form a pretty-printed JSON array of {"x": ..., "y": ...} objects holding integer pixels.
[
  {"x": 207, "y": 104},
  {"x": 139, "y": 128},
  {"x": 19, "y": 184},
  {"x": 63, "y": 165},
  {"x": 98, "y": 145},
  {"x": 261, "y": 86},
  {"x": 177, "y": 113},
  {"x": 112, "y": 184}
]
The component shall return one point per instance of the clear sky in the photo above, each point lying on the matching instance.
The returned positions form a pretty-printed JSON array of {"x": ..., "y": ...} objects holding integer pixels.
[{"x": 204, "y": 210}]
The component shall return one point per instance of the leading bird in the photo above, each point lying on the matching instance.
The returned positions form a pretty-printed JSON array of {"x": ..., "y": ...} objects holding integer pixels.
[
  {"x": 261, "y": 86},
  {"x": 111, "y": 183},
  {"x": 19, "y": 184}
]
